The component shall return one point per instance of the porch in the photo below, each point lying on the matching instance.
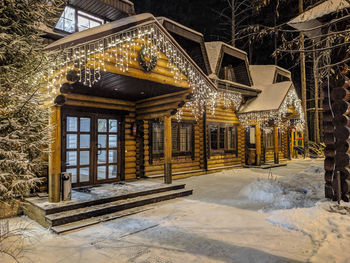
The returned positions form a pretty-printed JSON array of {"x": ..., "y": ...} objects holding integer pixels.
[{"x": 91, "y": 205}]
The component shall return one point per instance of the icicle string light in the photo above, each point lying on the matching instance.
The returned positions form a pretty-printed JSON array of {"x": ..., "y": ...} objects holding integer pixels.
[
  {"x": 90, "y": 59},
  {"x": 264, "y": 118}
]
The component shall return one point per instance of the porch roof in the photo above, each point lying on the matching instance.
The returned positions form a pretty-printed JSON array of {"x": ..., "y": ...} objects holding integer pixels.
[
  {"x": 270, "y": 98},
  {"x": 125, "y": 82},
  {"x": 265, "y": 74}
]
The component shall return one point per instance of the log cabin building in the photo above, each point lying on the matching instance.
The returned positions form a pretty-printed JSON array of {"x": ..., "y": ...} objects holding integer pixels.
[{"x": 136, "y": 96}]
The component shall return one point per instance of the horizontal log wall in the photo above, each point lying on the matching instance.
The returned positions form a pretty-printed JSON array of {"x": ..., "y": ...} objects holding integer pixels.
[
  {"x": 228, "y": 116},
  {"x": 105, "y": 103},
  {"x": 179, "y": 163}
]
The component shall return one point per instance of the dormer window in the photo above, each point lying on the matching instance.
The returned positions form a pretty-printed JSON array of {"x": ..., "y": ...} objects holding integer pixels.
[
  {"x": 281, "y": 78},
  {"x": 227, "y": 73},
  {"x": 73, "y": 20}
]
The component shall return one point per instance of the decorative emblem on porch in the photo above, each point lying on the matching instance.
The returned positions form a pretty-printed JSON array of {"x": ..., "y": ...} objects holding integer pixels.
[{"x": 147, "y": 59}]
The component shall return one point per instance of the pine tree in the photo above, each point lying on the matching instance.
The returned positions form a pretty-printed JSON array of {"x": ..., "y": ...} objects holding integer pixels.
[{"x": 24, "y": 126}]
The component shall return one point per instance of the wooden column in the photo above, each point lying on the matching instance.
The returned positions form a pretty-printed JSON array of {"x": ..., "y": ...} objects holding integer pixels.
[
  {"x": 55, "y": 155},
  {"x": 275, "y": 144},
  {"x": 258, "y": 144},
  {"x": 167, "y": 150}
]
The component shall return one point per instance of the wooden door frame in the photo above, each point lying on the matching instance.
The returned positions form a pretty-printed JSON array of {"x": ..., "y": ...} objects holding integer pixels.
[{"x": 93, "y": 114}]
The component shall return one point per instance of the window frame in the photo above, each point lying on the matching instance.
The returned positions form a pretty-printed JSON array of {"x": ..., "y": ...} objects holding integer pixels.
[
  {"x": 154, "y": 155},
  {"x": 79, "y": 12},
  {"x": 269, "y": 147},
  {"x": 225, "y": 127},
  {"x": 178, "y": 152}
]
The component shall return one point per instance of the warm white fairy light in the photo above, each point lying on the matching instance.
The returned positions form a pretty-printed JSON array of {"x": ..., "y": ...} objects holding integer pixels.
[
  {"x": 264, "y": 118},
  {"x": 89, "y": 59}
]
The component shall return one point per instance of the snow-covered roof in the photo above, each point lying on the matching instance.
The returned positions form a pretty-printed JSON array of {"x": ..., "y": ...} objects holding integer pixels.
[
  {"x": 308, "y": 20},
  {"x": 270, "y": 98},
  {"x": 102, "y": 30},
  {"x": 320, "y": 10},
  {"x": 162, "y": 18},
  {"x": 214, "y": 52},
  {"x": 265, "y": 74}
]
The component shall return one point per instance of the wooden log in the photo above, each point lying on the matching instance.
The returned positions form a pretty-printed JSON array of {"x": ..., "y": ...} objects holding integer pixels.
[
  {"x": 329, "y": 192},
  {"x": 329, "y": 164},
  {"x": 342, "y": 146},
  {"x": 66, "y": 88},
  {"x": 72, "y": 76},
  {"x": 329, "y": 151},
  {"x": 55, "y": 155},
  {"x": 341, "y": 120},
  {"x": 167, "y": 150},
  {"x": 329, "y": 138},
  {"x": 327, "y": 117},
  {"x": 340, "y": 107},
  {"x": 341, "y": 159},
  {"x": 340, "y": 94},
  {"x": 101, "y": 100},
  {"x": 328, "y": 176},
  {"x": 60, "y": 100},
  {"x": 342, "y": 133},
  {"x": 139, "y": 73}
]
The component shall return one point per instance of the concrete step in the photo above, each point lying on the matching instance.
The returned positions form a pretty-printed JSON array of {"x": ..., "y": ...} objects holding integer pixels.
[
  {"x": 104, "y": 200},
  {"x": 70, "y": 216},
  {"x": 98, "y": 219}
]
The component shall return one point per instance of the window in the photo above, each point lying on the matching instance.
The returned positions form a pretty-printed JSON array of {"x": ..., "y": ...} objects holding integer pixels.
[
  {"x": 157, "y": 138},
  {"x": 86, "y": 21},
  {"x": 67, "y": 20},
  {"x": 228, "y": 73},
  {"x": 181, "y": 138},
  {"x": 73, "y": 20},
  {"x": 268, "y": 140},
  {"x": 182, "y": 134},
  {"x": 281, "y": 78},
  {"x": 223, "y": 138},
  {"x": 231, "y": 138}
]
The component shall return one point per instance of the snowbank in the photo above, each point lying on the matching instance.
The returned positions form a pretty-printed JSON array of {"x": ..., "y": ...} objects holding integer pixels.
[
  {"x": 303, "y": 189},
  {"x": 326, "y": 224}
]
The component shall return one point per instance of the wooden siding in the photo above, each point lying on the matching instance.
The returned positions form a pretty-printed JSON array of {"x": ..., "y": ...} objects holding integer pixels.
[
  {"x": 220, "y": 160},
  {"x": 155, "y": 165}
]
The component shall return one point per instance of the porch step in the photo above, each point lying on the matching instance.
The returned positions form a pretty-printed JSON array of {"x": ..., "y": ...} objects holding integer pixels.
[
  {"x": 74, "y": 215},
  {"x": 97, "y": 220}
]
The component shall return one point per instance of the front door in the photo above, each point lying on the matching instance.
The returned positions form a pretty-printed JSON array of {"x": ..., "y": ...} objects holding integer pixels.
[{"x": 91, "y": 147}]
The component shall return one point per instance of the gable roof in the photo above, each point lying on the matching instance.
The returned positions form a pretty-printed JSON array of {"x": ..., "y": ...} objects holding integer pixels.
[
  {"x": 270, "y": 98},
  {"x": 309, "y": 19},
  {"x": 127, "y": 29},
  {"x": 216, "y": 50},
  {"x": 320, "y": 10},
  {"x": 266, "y": 74},
  {"x": 198, "y": 51},
  {"x": 109, "y": 9}
]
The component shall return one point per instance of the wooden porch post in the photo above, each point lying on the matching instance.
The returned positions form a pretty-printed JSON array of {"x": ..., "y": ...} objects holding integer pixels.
[
  {"x": 167, "y": 150},
  {"x": 258, "y": 143},
  {"x": 275, "y": 144},
  {"x": 55, "y": 155}
]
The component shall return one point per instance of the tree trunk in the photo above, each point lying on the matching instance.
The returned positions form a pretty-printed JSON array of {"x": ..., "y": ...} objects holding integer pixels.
[
  {"x": 303, "y": 86},
  {"x": 233, "y": 23},
  {"x": 316, "y": 120}
]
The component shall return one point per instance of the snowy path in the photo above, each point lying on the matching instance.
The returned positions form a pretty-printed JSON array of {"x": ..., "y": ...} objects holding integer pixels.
[{"x": 219, "y": 223}]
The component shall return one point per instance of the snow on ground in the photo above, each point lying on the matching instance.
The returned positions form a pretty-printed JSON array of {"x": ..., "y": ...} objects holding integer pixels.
[{"x": 242, "y": 215}]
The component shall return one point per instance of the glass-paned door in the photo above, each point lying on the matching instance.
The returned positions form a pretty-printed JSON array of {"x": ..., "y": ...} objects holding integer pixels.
[
  {"x": 90, "y": 147},
  {"x": 78, "y": 148},
  {"x": 107, "y": 147}
]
